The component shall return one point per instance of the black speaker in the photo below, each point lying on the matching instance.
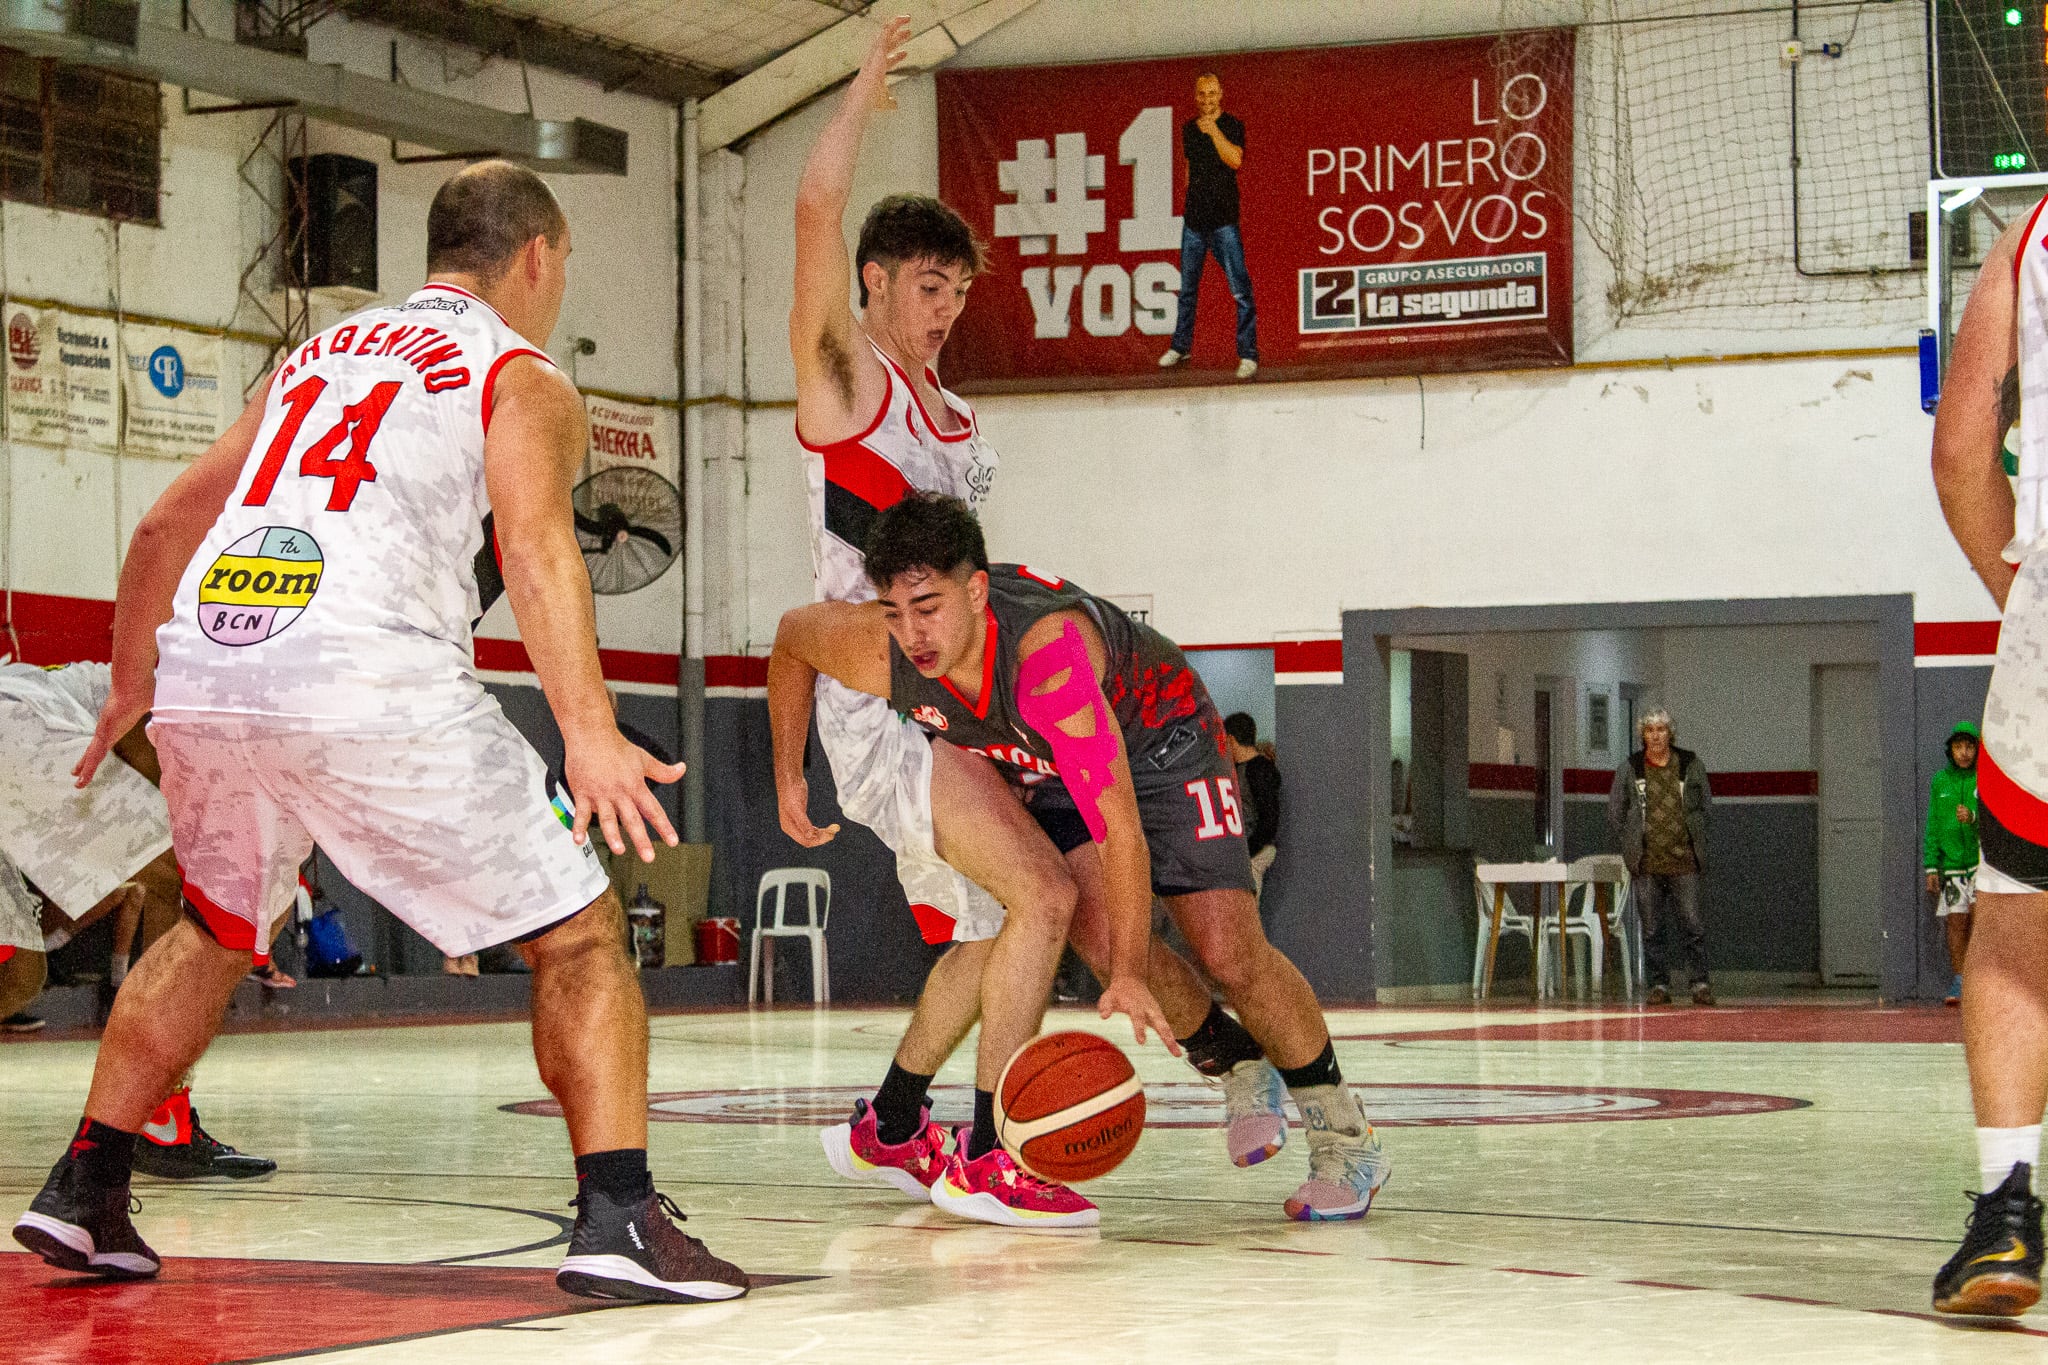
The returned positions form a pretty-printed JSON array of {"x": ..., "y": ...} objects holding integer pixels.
[{"x": 333, "y": 223}]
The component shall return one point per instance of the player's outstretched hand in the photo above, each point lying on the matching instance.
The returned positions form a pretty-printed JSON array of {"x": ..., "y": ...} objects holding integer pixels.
[
  {"x": 870, "y": 86},
  {"x": 609, "y": 781},
  {"x": 1129, "y": 996},
  {"x": 793, "y": 804},
  {"x": 122, "y": 709}
]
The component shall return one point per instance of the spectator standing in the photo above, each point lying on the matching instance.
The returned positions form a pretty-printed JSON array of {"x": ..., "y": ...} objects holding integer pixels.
[
  {"x": 1213, "y": 143},
  {"x": 1952, "y": 848},
  {"x": 1657, "y": 810},
  {"x": 1258, "y": 793}
]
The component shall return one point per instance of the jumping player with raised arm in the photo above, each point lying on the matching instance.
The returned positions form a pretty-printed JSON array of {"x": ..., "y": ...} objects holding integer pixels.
[
  {"x": 874, "y": 424},
  {"x": 1049, "y": 681},
  {"x": 295, "y": 610},
  {"x": 1997, "y": 384}
]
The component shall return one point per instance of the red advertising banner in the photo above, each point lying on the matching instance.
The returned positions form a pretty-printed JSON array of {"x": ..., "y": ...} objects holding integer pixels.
[{"x": 1397, "y": 209}]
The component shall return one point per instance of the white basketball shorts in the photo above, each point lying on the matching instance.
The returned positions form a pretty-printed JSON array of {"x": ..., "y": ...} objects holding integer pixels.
[
  {"x": 2012, "y": 762},
  {"x": 77, "y": 846},
  {"x": 448, "y": 826},
  {"x": 882, "y": 766}
]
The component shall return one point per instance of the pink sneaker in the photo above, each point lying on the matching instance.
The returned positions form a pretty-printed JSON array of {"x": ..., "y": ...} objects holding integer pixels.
[
  {"x": 857, "y": 1152},
  {"x": 994, "y": 1189}
]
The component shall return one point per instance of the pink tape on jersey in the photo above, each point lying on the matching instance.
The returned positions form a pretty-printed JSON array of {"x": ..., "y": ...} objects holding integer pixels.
[{"x": 1086, "y": 762}]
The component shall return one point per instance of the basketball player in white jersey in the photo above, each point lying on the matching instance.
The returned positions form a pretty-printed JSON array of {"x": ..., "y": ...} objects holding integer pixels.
[
  {"x": 875, "y": 425},
  {"x": 295, "y": 612},
  {"x": 1998, "y": 381}
]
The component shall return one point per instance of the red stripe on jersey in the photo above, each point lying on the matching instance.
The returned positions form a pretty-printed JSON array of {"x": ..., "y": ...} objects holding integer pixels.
[
  {"x": 2026, "y": 235},
  {"x": 866, "y": 475},
  {"x": 988, "y": 673},
  {"x": 865, "y": 432},
  {"x": 2018, "y": 809},
  {"x": 458, "y": 289},
  {"x": 967, "y": 420},
  {"x": 491, "y": 379}
]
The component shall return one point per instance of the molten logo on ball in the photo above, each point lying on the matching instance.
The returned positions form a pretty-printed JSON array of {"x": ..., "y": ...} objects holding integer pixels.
[{"x": 1069, "y": 1107}]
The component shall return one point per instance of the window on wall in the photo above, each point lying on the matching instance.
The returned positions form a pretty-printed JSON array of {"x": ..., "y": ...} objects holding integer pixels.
[{"x": 79, "y": 138}]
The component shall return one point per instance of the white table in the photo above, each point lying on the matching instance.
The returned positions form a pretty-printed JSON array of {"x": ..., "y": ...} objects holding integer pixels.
[{"x": 1500, "y": 876}]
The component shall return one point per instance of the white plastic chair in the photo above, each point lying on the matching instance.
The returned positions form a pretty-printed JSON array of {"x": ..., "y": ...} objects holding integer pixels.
[
  {"x": 817, "y": 888},
  {"x": 1582, "y": 921},
  {"x": 1512, "y": 921}
]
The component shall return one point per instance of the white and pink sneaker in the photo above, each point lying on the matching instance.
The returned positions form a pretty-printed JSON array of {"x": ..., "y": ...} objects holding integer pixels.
[{"x": 993, "y": 1188}]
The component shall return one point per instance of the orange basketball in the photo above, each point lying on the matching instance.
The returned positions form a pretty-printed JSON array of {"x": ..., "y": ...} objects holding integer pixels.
[{"x": 1069, "y": 1107}]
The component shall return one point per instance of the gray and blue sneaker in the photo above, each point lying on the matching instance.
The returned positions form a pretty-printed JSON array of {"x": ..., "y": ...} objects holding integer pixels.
[
  {"x": 1254, "y": 1112},
  {"x": 1346, "y": 1164}
]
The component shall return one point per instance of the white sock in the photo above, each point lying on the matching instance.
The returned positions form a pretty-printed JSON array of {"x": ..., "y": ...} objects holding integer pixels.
[{"x": 2000, "y": 1149}]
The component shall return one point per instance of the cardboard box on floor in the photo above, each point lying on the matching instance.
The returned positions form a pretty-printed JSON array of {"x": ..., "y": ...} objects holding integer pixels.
[{"x": 680, "y": 878}]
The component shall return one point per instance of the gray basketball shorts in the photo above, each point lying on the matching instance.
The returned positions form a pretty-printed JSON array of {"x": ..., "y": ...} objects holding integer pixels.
[
  {"x": 882, "y": 767},
  {"x": 1194, "y": 826},
  {"x": 447, "y": 825}
]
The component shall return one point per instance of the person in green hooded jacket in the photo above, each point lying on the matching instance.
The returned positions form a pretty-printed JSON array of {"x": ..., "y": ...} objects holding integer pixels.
[{"x": 1952, "y": 846}]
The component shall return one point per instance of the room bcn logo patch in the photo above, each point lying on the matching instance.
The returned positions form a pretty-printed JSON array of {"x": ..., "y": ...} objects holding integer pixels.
[
  {"x": 259, "y": 585},
  {"x": 1182, "y": 1104}
]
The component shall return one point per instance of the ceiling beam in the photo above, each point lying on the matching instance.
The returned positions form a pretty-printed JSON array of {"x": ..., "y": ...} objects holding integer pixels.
[
  {"x": 497, "y": 33},
  {"x": 939, "y": 28}
]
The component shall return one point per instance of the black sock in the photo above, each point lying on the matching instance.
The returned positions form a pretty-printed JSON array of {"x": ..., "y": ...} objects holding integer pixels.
[
  {"x": 1322, "y": 1071},
  {"x": 899, "y": 1104},
  {"x": 619, "y": 1175},
  {"x": 1220, "y": 1044},
  {"x": 982, "y": 1140},
  {"x": 107, "y": 1154}
]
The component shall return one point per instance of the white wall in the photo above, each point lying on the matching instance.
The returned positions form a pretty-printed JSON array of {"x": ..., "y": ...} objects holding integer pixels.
[
  {"x": 1260, "y": 512},
  {"x": 69, "y": 513}
]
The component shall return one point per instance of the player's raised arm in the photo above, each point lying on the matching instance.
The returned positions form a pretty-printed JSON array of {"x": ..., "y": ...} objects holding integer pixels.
[
  {"x": 535, "y": 443},
  {"x": 1059, "y": 694},
  {"x": 164, "y": 542},
  {"x": 1969, "y": 425},
  {"x": 838, "y": 381},
  {"x": 845, "y": 641}
]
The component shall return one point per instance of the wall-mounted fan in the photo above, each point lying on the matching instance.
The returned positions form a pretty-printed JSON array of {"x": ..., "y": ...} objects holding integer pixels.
[{"x": 629, "y": 522}]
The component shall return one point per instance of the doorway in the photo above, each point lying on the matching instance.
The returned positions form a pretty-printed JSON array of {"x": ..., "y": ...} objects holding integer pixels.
[{"x": 1845, "y": 746}]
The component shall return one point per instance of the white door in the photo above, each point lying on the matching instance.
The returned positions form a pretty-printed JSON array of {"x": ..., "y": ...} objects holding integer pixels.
[{"x": 1851, "y": 870}]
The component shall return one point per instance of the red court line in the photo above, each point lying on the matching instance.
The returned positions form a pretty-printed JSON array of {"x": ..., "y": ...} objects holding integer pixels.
[
  {"x": 201, "y": 1310},
  {"x": 1289, "y": 1251}
]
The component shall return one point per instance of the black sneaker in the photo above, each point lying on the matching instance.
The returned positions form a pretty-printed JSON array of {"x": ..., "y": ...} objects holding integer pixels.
[
  {"x": 1657, "y": 996},
  {"x": 77, "y": 1225},
  {"x": 205, "y": 1157},
  {"x": 1997, "y": 1273},
  {"x": 1702, "y": 993},
  {"x": 632, "y": 1251},
  {"x": 21, "y": 1022}
]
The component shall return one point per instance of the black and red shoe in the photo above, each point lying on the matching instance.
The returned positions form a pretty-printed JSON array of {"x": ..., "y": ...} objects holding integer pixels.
[
  {"x": 78, "y": 1225},
  {"x": 631, "y": 1251}
]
